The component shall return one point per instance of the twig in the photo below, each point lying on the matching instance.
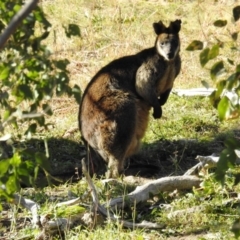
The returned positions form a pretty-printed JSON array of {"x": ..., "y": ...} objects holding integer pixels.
[
  {"x": 29, "y": 205},
  {"x": 69, "y": 203},
  {"x": 16, "y": 20}
]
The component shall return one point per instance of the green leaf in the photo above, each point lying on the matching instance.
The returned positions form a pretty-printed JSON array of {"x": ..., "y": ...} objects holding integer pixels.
[
  {"x": 214, "y": 99},
  {"x": 4, "y": 165},
  {"x": 224, "y": 108},
  {"x": 4, "y": 72},
  {"x": 12, "y": 185},
  {"x": 213, "y": 53},
  {"x": 23, "y": 170},
  {"x": 17, "y": 7},
  {"x": 237, "y": 179},
  {"x": 205, "y": 84},
  {"x": 220, "y": 23},
  {"x": 216, "y": 70},
  {"x": 236, "y": 13},
  {"x": 62, "y": 64},
  {"x": 234, "y": 36},
  {"x": 7, "y": 114},
  {"x": 32, "y": 128},
  {"x": 226, "y": 160},
  {"x": 195, "y": 45},
  {"x": 230, "y": 61},
  {"x": 76, "y": 91},
  {"x": 42, "y": 160},
  {"x": 231, "y": 81},
  {"x": 216, "y": 94},
  {"x": 40, "y": 120},
  {"x": 16, "y": 160},
  {"x": 238, "y": 68},
  {"x": 47, "y": 109},
  {"x": 23, "y": 91},
  {"x": 204, "y": 57},
  {"x": 236, "y": 228},
  {"x": 36, "y": 169},
  {"x": 222, "y": 166},
  {"x": 72, "y": 30},
  {"x": 39, "y": 16},
  {"x": 232, "y": 143}
]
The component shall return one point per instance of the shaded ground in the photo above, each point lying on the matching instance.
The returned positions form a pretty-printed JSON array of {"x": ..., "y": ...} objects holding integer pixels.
[
  {"x": 161, "y": 158},
  {"x": 158, "y": 159}
]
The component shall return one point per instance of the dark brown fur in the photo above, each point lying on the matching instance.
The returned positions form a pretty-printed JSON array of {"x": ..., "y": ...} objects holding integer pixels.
[{"x": 115, "y": 107}]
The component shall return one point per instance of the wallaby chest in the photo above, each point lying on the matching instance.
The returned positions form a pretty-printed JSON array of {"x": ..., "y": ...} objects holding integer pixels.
[{"x": 166, "y": 78}]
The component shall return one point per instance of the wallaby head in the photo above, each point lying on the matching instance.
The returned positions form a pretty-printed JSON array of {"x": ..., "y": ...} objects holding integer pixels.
[{"x": 167, "y": 42}]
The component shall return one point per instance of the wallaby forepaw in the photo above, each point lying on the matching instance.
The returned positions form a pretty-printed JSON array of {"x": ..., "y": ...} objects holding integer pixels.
[{"x": 157, "y": 113}]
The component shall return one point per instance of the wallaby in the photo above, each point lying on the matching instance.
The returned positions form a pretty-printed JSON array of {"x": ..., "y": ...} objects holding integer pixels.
[{"x": 114, "y": 111}]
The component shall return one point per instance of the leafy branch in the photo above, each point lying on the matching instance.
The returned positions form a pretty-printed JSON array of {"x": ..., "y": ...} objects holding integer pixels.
[
  {"x": 225, "y": 75},
  {"x": 16, "y": 20},
  {"x": 29, "y": 79},
  {"x": 228, "y": 106}
]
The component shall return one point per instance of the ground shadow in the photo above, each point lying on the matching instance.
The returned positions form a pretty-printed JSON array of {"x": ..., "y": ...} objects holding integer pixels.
[
  {"x": 161, "y": 158},
  {"x": 174, "y": 157}
]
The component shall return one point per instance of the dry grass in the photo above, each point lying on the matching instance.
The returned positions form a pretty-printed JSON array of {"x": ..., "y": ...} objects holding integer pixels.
[{"x": 111, "y": 29}]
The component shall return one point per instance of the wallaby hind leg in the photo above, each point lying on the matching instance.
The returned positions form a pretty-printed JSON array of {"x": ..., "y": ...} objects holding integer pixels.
[
  {"x": 116, "y": 132},
  {"x": 115, "y": 167},
  {"x": 116, "y": 150}
]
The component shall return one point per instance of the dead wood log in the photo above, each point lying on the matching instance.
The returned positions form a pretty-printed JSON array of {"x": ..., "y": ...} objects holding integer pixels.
[{"x": 165, "y": 184}]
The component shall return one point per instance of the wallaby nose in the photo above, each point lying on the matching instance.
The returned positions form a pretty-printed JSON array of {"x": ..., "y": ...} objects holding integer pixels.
[{"x": 171, "y": 55}]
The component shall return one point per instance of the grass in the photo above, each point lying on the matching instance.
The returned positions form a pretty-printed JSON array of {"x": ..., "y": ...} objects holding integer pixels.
[{"x": 189, "y": 127}]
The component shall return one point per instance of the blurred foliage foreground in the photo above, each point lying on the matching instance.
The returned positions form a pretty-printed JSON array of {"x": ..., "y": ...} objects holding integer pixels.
[
  {"x": 225, "y": 72},
  {"x": 29, "y": 78}
]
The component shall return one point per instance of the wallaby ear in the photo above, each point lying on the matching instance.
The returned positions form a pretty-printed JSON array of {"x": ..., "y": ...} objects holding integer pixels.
[
  {"x": 159, "y": 27},
  {"x": 175, "y": 26}
]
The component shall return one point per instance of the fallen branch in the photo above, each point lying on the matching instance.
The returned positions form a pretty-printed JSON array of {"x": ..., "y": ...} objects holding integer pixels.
[
  {"x": 165, "y": 184},
  {"x": 205, "y": 162},
  {"x": 30, "y": 206}
]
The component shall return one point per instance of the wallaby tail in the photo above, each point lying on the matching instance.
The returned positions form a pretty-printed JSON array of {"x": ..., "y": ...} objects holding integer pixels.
[{"x": 95, "y": 163}]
